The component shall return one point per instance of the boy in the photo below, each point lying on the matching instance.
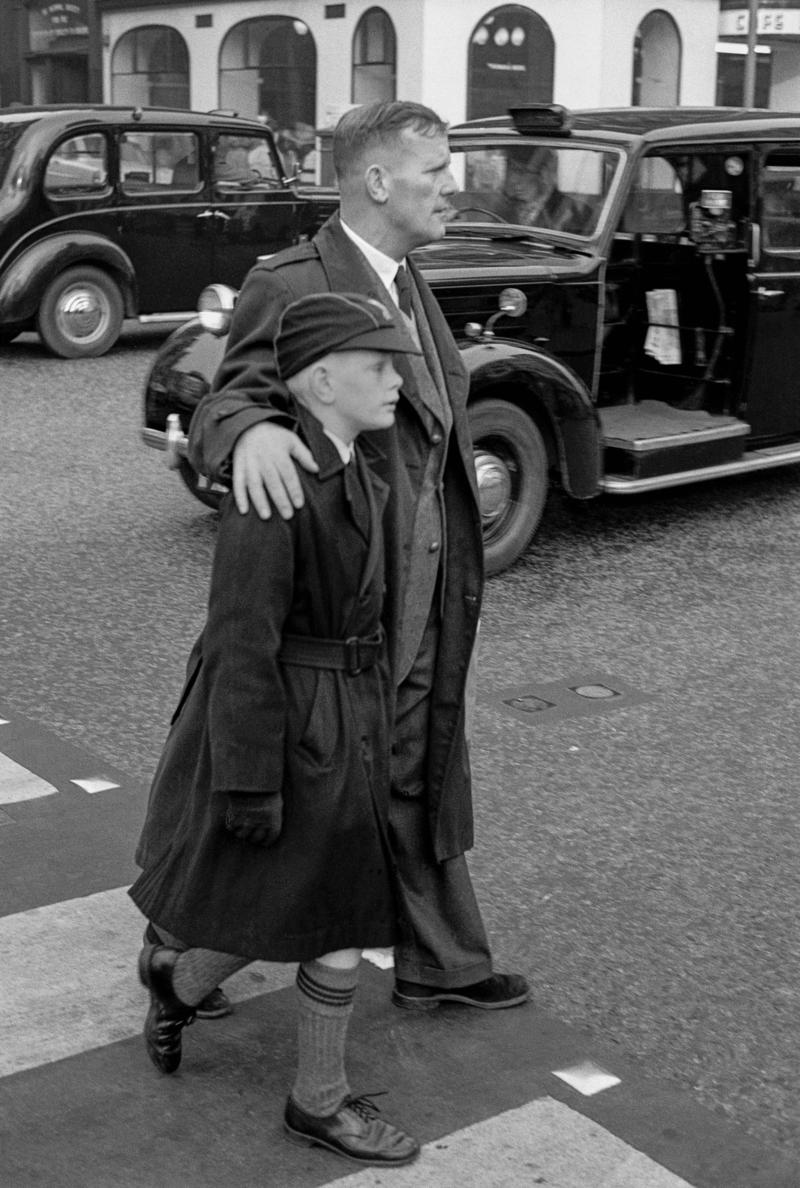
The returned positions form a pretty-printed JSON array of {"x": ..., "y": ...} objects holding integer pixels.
[{"x": 278, "y": 752}]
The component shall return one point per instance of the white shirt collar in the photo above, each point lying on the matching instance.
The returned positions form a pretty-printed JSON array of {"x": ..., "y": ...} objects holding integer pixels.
[
  {"x": 345, "y": 450},
  {"x": 384, "y": 265}
]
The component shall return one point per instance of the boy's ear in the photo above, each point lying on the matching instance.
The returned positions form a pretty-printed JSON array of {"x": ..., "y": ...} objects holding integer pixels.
[{"x": 320, "y": 381}]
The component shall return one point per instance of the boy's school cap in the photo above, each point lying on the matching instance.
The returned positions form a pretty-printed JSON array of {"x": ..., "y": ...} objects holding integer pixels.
[{"x": 313, "y": 326}]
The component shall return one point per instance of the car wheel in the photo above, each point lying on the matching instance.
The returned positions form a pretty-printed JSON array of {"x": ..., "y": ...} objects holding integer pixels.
[
  {"x": 512, "y": 473},
  {"x": 81, "y": 313},
  {"x": 199, "y": 485}
]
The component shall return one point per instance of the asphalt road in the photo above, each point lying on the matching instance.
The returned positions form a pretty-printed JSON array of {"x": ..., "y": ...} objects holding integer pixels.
[{"x": 637, "y": 853}]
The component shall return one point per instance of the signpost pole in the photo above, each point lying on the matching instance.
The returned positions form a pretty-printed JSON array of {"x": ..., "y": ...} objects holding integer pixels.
[{"x": 750, "y": 60}]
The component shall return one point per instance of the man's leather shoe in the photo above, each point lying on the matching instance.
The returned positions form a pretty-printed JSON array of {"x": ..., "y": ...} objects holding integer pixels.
[
  {"x": 354, "y": 1131},
  {"x": 492, "y": 994},
  {"x": 167, "y": 1015},
  {"x": 215, "y": 1005}
]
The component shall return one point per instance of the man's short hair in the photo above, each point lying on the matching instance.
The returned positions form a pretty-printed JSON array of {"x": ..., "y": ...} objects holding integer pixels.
[{"x": 375, "y": 124}]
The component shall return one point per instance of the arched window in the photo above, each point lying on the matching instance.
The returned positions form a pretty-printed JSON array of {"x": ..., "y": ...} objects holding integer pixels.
[
  {"x": 150, "y": 68},
  {"x": 268, "y": 68},
  {"x": 511, "y": 56},
  {"x": 374, "y": 58},
  {"x": 656, "y": 62}
]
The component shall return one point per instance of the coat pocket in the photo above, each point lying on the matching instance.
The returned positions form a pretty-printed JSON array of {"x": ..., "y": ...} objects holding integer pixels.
[{"x": 314, "y": 726}]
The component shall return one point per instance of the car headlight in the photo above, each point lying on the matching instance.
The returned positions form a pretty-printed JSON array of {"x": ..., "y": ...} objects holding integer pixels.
[{"x": 215, "y": 307}]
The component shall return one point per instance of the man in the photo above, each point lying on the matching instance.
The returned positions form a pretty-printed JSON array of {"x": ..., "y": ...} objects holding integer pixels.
[
  {"x": 393, "y": 167},
  {"x": 532, "y": 194}
]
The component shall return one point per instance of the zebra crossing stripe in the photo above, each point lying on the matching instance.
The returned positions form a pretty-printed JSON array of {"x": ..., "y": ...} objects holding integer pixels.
[
  {"x": 68, "y": 979},
  {"x": 543, "y": 1142},
  {"x": 17, "y": 783}
]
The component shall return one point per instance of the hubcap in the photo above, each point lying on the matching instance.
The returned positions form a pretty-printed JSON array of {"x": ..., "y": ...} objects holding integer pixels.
[
  {"x": 81, "y": 314},
  {"x": 495, "y": 486}
]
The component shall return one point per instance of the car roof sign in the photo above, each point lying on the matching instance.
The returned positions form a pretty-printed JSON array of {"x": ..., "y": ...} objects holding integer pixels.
[{"x": 542, "y": 119}]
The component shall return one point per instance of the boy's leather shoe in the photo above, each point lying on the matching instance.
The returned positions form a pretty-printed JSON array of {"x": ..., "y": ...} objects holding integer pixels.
[
  {"x": 492, "y": 994},
  {"x": 167, "y": 1015},
  {"x": 354, "y": 1131},
  {"x": 215, "y": 1005}
]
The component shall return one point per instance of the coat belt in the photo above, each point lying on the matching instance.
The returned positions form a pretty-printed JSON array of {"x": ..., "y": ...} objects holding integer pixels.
[{"x": 350, "y": 655}]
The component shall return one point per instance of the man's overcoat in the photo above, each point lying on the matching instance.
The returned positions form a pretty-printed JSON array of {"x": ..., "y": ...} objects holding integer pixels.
[
  {"x": 247, "y": 391},
  {"x": 248, "y": 722}
]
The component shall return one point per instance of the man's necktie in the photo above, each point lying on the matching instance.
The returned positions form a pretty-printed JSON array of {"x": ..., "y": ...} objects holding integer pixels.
[{"x": 403, "y": 285}]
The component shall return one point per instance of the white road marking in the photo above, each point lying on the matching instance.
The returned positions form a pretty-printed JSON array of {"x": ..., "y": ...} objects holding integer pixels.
[
  {"x": 92, "y": 784},
  {"x": 78, "y": 988},
  {"x": 17, "y": 783},
  {"x": 543, "y": 1142}
]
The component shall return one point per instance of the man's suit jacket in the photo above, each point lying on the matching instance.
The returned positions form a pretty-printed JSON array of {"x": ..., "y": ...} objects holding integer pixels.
[{"x": 247, "y": 390}]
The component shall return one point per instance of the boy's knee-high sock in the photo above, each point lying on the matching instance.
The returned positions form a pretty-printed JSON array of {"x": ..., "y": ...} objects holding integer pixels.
[
  {"x": 199, "y": 971},
  {"x": 325, "y": 1004}
]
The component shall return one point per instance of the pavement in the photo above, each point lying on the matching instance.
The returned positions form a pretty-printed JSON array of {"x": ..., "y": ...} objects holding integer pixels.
[{"x": 501, "y": 1098}]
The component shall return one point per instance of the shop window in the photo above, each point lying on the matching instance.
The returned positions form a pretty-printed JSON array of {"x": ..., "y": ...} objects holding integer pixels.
[
  {"x": 78, "y": 166},
  {"x": 268, "y": 68},
  {"x": 511, "y": 61},
  {"x": 656, "y": 62},
  {"x": 374, "y": 58},
  {"x": 150, "y": 68}
]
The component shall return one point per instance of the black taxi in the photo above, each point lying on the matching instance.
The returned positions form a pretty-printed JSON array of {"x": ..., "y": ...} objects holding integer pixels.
[
  {"x": 127, "y": 212},
  {"x": 625, "y": 287}
]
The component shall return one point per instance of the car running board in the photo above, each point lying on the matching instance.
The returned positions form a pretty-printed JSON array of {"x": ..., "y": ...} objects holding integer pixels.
[{"x": 762, "y": 459}]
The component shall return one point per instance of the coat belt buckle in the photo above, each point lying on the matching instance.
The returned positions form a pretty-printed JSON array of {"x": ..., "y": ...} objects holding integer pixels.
[{"x": 353, "y": 655}]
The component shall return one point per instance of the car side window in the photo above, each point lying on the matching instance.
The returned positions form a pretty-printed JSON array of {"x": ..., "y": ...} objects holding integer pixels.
[
  {"x": 780, "y": 202},
  {"x": 78, "y": 166},
  {"x": 159, "y": 162},
  {"x": 245, "y": 163},
  {"x": 655, "y": 205}
]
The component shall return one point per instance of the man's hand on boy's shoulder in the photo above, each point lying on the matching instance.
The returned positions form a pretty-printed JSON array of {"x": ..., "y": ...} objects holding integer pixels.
[
  {"x": 255, "y": 819},
  {"x": 265, "y": 460}
]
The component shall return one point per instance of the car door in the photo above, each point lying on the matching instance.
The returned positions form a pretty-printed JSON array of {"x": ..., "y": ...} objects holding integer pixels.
[
  {"x": 773, "y": 390},
  {"x": 166, "y": 223},
  {"x": 255, "y": 212}
]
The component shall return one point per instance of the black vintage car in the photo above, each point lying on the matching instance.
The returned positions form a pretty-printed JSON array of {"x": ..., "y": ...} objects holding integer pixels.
[
  {"x": 631, "y": 322},
  {"x": 113, "y": 212}
]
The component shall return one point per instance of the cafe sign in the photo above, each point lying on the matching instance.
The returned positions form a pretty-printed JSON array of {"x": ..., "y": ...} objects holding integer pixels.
[
  {"x": 54, "y": 21},
  {"x": 772, "y": 22}
]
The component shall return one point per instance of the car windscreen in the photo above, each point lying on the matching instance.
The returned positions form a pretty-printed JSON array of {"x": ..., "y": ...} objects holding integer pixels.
[
  {"x": 11, "y": 132},
  {"x": 540, "y": 185}
]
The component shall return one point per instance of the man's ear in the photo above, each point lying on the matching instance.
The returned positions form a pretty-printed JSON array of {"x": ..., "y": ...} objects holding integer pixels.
[{"x": 377, "y": 183}]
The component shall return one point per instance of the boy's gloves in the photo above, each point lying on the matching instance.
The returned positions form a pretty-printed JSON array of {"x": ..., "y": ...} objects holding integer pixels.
[{"x": 255, "y": 819}]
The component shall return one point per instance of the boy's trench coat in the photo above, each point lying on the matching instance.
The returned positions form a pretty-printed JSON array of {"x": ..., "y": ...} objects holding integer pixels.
[
  {"x": 247, "y": 723},
  {"x": 247, "y": 391}
]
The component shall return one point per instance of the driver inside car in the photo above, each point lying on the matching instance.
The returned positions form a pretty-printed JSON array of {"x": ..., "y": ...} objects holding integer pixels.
[{"x": 532, "y": 195}]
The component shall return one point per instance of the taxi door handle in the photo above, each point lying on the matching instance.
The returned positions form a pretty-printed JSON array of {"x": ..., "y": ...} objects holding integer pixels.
[
  {"x": 206, "y": 214},
  {"x": 762, "y": 292}
]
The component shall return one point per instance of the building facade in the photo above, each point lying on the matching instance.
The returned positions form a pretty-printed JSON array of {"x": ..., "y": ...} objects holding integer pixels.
[
  {"x": 777, "y": 53},
  {"x": 299, "y": 63}
]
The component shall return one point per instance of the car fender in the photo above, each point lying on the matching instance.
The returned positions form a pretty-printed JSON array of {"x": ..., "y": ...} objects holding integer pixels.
[
  {"x": 23, "y": 283},
  {"x": 180, "y": 376},
  {"x": 553, "y": 395}
]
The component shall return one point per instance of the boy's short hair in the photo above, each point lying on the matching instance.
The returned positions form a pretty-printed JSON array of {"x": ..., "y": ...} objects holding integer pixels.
[
  {"x": 381, "y": 123},
  {"x": 314, "y": 326}
]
